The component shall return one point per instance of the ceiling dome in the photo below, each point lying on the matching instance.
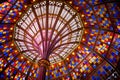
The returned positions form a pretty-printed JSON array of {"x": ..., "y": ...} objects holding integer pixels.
[
  {"x": 80, "y": 38},
  {"x": 48, "y": 28}
]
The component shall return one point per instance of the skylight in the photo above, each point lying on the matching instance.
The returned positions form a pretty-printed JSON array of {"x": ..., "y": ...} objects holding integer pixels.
[{"x": 48, "y": 30}]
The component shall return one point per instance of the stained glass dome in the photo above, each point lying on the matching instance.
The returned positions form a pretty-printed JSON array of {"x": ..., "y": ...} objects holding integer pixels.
[{"x": 87, "y": 30}]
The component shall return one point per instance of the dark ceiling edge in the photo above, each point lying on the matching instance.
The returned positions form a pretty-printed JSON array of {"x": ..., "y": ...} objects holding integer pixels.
[{"x": 1, "y": 1}]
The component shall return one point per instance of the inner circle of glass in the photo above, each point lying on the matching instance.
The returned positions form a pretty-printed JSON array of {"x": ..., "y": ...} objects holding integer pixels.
[{"x": 48, "y": 29}]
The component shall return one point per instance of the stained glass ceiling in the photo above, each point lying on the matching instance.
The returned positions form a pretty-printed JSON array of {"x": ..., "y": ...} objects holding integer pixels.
[{"x": 96, "y": 58}]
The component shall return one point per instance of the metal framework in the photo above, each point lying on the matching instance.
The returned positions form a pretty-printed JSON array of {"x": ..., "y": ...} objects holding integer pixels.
[
  {"x": 48, "y": 27},
  {"x": 55, "y": 46}
]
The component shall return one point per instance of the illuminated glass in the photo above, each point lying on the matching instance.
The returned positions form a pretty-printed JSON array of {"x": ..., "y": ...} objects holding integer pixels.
[
  {"x": 56, "y": 29},
  {"x": 96, "y": 57}
]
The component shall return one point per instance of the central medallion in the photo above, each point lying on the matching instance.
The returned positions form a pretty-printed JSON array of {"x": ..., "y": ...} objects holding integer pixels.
[{"x": 48, "y": 30}]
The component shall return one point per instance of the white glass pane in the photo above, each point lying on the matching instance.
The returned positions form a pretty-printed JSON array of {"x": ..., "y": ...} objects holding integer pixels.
[
  {"x": 28, "y": 40},
  {"x": 28, "y": 21},
  {"x": 57, "y": 25},
  {"x": 24, "y": 26},
  {"x": 20, "y": 37},
  {"x": 44, "y": 9},
  {"x": 56, "y": 10},
  {"x": 30, "y": 32},
  {"x": 33, "y": 29},
  {"x": 50, "y": 9},
  {"x": 29, "y": 45},
  {"x": 60, "y": 27},
  {"x": 38, "y": 11},
  {"x": 32, "y": 16},
  {"x": 24, "y": 48},
  {"x": 73, "y": 22},
  {"x": 27, "y": 36},
  {"x": 44, "y": 22},
  {"x": 49, "y": 22},
  {"x": 41, "y": 22},
  {"x": 53, "y": 22},
  {"x": 64, "y": 12},
  {"x": 21, "y": 32},
  {"x": 68, "y": 17},
  {"x": 36, "y": 25}
]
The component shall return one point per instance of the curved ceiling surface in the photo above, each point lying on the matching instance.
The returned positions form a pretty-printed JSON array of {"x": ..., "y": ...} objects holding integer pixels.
[
  {"x": 48, "y": 28},
  {"x": 95, "y": 57}
]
